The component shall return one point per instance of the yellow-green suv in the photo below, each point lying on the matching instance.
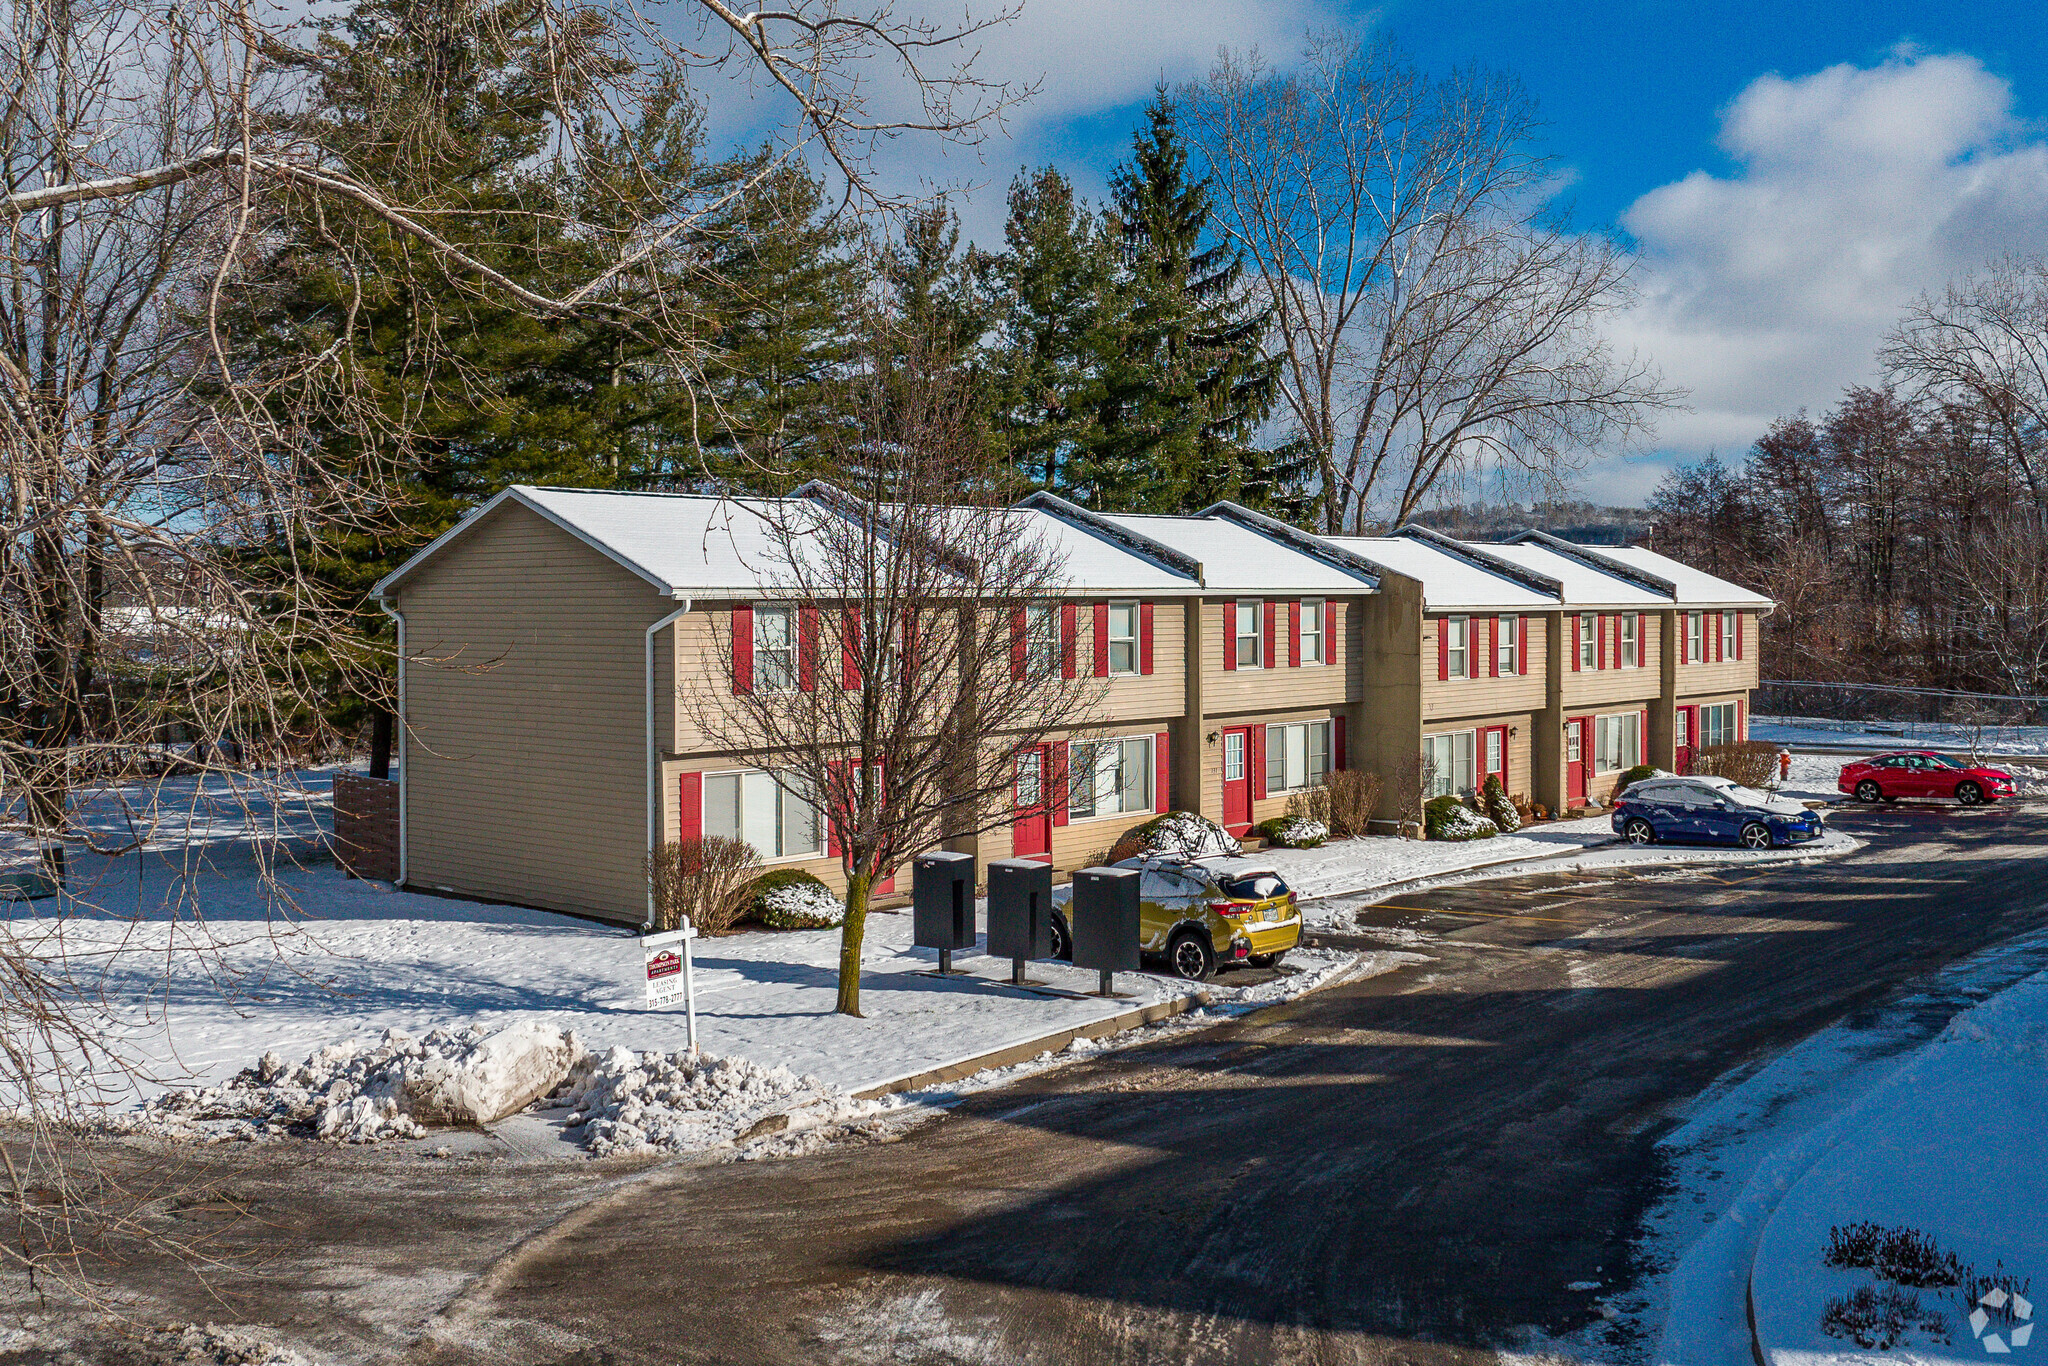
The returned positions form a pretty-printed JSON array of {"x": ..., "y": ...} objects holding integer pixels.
[{"x": 1196, "y": 913}]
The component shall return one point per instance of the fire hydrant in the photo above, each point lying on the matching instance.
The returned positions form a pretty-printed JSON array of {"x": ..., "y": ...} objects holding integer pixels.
[{"x": 1784, "y": 764}]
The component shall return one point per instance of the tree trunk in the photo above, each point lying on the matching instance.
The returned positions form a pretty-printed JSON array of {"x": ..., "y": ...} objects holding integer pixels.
[{"x": 849, "y": 942}]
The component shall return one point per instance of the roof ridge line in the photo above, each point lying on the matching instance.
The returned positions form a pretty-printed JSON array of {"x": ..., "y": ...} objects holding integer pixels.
[
  {"x": 1308, "y": 543},
  {"x": 1136, "y": 542},
  {"x": 1472, "y": 554},
  {"x": 1593, "y": 559}
]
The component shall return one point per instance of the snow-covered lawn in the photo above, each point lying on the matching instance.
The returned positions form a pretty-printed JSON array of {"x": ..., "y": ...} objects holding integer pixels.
[{"x": 1879, "y": 735}]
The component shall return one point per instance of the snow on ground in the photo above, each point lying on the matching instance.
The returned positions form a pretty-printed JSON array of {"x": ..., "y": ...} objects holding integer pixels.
[
  {"x": 1345, "y": 866},
  {"x": 1881, "y": 735}
]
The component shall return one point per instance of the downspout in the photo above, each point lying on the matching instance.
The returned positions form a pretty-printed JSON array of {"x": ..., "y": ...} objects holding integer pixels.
[
  {"x": 653, "y": 777},
  {"x": 404, "y": 768}
]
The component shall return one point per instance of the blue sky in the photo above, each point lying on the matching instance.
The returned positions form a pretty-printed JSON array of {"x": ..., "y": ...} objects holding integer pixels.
[{"x": 1792, "y": 174}]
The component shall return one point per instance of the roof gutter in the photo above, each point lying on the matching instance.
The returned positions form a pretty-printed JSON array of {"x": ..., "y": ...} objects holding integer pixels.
[
  {"x": 404, "y": 768},
  {"x": 653, "y": 767}
]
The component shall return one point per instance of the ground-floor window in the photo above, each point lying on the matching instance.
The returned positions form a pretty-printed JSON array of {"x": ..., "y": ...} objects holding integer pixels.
[
  {"x": 1717, "y": 725},
  {"x": 1111, "y": 777},
  {"x": 1297, "y": 755},
  {"x": 754, "y": 807},
  {"x": 1447, "y": 763},
  {"x": 1618, "y": 741}
]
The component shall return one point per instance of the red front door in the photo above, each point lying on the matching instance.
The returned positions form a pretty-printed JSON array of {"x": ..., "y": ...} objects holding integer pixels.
[
  {"x": 1237, "y": 780},
  {"x": 1031, "y": 832},
  {"x": 1686, "y": 738},
  {"x": 1578, "y": 759}
]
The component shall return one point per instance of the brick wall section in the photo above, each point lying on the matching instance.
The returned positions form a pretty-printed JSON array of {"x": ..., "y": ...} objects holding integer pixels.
[{"x": 366, "y": 826}]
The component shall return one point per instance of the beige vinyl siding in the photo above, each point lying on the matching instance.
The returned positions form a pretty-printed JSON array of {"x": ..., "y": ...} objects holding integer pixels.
[
  {"x": 1232, "y": 692},
  {"x": 1728, "y": 675},
  {"x": 525, "y": 777},
  {"x": 1521, "y": 730},
  {"x": 1610, "y": 687},
  {"x": 1466, "y": 696},
  {"x": 1161, "y": 693}
]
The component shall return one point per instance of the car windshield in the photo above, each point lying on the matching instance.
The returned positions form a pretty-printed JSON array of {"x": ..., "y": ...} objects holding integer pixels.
[{"x": 1253, "y": 886}]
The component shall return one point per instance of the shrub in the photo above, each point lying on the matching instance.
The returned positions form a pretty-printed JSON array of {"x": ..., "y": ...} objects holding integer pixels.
[
  {"x": 1354, "y": 796},
  {"x": 791, "y": 899},
  {"x": 1182, "y": 833},
  {"x": 1292, "y": 832},
  {"x": 1312, "y": 804},
  {"x": 1753, "y": 763},
  {"x": 706, "y": 880},
  {"x": 1634, "y": 776},
  {"x": 1876, "y": 1318},
  {"x": 1447, "y": 818},
  {"x": 1499, "y": 810}
]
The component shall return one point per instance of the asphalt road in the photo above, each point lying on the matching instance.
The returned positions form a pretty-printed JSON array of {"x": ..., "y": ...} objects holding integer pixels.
[{"x": 1410, "y": 1168}]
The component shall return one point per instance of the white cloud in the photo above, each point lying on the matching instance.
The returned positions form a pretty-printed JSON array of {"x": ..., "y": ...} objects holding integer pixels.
[{"x": 1769, "y": 289}]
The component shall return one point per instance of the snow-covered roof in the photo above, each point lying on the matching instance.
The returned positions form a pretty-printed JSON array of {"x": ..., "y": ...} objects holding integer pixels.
[
  {"x": 1448, "y": 580},
  {"x": 1584, "y": 585},
  {"x": 700, "y": 544},
  {"x": 1238, "y": 558},
  {"x": 1695, "y": 587}
]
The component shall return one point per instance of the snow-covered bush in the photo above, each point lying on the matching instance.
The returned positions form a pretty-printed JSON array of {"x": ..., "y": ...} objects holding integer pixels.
[
  {"x": 1499, "y": 810},
  {"x": 1183, "y": 833},
  {"x": 1447, "y": 818},
  {"x": 791, "y": 899},
  {"x": 1292, "y": 832}
]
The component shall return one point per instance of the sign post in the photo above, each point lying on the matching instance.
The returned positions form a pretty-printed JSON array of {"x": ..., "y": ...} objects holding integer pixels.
[{"x": 670, "y": 973}]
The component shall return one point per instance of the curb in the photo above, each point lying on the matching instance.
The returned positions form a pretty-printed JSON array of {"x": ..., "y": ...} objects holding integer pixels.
[{"x": 1031, "y": 1048}]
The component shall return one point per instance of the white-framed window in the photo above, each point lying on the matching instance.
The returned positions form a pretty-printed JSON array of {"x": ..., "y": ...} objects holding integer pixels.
[
  {"x": 1110, "y": 777},
  {"x": 1728, "y": 646},
  {"x": 751, "y": 805},
  {"x": 1249, "y": 628},
  {"x": 1458, "y": 645},
  {"x": 1313, "y": 648},
  {"x": 1496, "y": 750},
  {"x": 1717, "y": 725},
  {"x": 1507, "y": 653},
  {"x": 1030, "y": 778},
  {"x": 1695, "y": 637},
  {"x": 1589, "y": 641},
  {"x": 1574, "y": 741},
  {"x": 1233, "y": 756},
  {"x": 1631, "y": 641},
  {"x": 1123, "y": 637},
  {"x": 775, "y": 648},
  {"x": 1447, "y": 763},
  {"x": 1042, "y": 639},
  {"x": 1617, "y": 742},
  {"x": 1678, "y": 731},
  {"x": 1297, "y": 755}
]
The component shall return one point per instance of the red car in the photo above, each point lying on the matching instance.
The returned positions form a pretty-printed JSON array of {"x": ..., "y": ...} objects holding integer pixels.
[{"x": 1918, "y": 773}]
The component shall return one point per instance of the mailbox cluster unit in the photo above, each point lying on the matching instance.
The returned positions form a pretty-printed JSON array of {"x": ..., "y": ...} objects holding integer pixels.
[{"x": 1103, "y": 915}]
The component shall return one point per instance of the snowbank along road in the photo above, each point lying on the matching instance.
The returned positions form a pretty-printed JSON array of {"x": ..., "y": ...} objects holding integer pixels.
[{"x": 1442, "y": 1163}]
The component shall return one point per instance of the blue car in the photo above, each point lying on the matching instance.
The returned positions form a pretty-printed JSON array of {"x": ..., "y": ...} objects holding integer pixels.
[{"x": 1711, "y": 811}]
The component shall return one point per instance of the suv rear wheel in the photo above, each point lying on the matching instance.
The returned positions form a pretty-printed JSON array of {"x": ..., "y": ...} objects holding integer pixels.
[
  {"x": 1189, "y": 956},
  {"x": 1062, "y": 939}
]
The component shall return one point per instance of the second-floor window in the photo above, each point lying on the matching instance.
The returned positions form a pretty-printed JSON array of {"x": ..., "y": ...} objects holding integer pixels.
[
  {"x": 1507, "y": 656},
  {"x": 1728, "y": 646},
  {"x": 1248, "y": 634},
  {"x": 1042, "y": 639},
  {"x": 1123, "y": 637},
  {"x": 1631, "y": 641},
  {"x": 1312, "y": 632},
  {"x": 1589, "y": 642},
  {"x": 775, "y": 649},
  {"x": 1459, "y": 646},
  {"x": 1297, "y": 755},
  {"x": 1695, "y": 638}
]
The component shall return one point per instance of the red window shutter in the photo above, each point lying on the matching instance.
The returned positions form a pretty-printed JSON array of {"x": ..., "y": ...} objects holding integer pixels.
[
  {"x": 1443, "y": 649},
  {"x": 1017, "y": 638},
  {"x": 1329, "y": 630},
  {"x": 1069, "y": 627},
  {"x": 849, "y": 651},
  {"x": 1258, "y": 748},
  {"x": 1336, "y": 742},
  {"x": 835, "y": 780},
  {"x": 1144, "y": 637},
  {"x": 1230, "y": 635},
  {"x": 1058, "y": 779},
  {"x": 1102, "y": 640},
  {"x": 1269, "y": 659},
  {"x": 1614, "y": 637},
  {"x": 690, "y": 806},
  {"x": 1741, "y": 719},
  {"x": 1493, "y": 647},
  {"x": 1294, "y": 634},
  {"x": 1600, "y": 641},
  {"x": 1522, "y": 646},
  {"x": 1160, "y": 773},
  {"x": 1642, "y": 735},
  {"x": 743, "y": 649},
  {"x": 1738, "y": 635},
  {"x": 807, "y": 648},
  {"x": 1578, "y": 624}
]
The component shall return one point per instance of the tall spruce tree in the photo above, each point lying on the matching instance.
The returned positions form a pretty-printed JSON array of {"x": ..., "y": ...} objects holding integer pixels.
[{"x": 1185, "y": 384}]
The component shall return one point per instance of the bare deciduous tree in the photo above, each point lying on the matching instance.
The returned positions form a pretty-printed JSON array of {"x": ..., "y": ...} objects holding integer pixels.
[
  {"x": 909, "y": 684},
  {"x": 1433, "y": 321}
]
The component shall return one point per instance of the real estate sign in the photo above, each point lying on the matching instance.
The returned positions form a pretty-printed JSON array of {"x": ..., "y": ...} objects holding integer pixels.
[{"x": 669, "y": 975}]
